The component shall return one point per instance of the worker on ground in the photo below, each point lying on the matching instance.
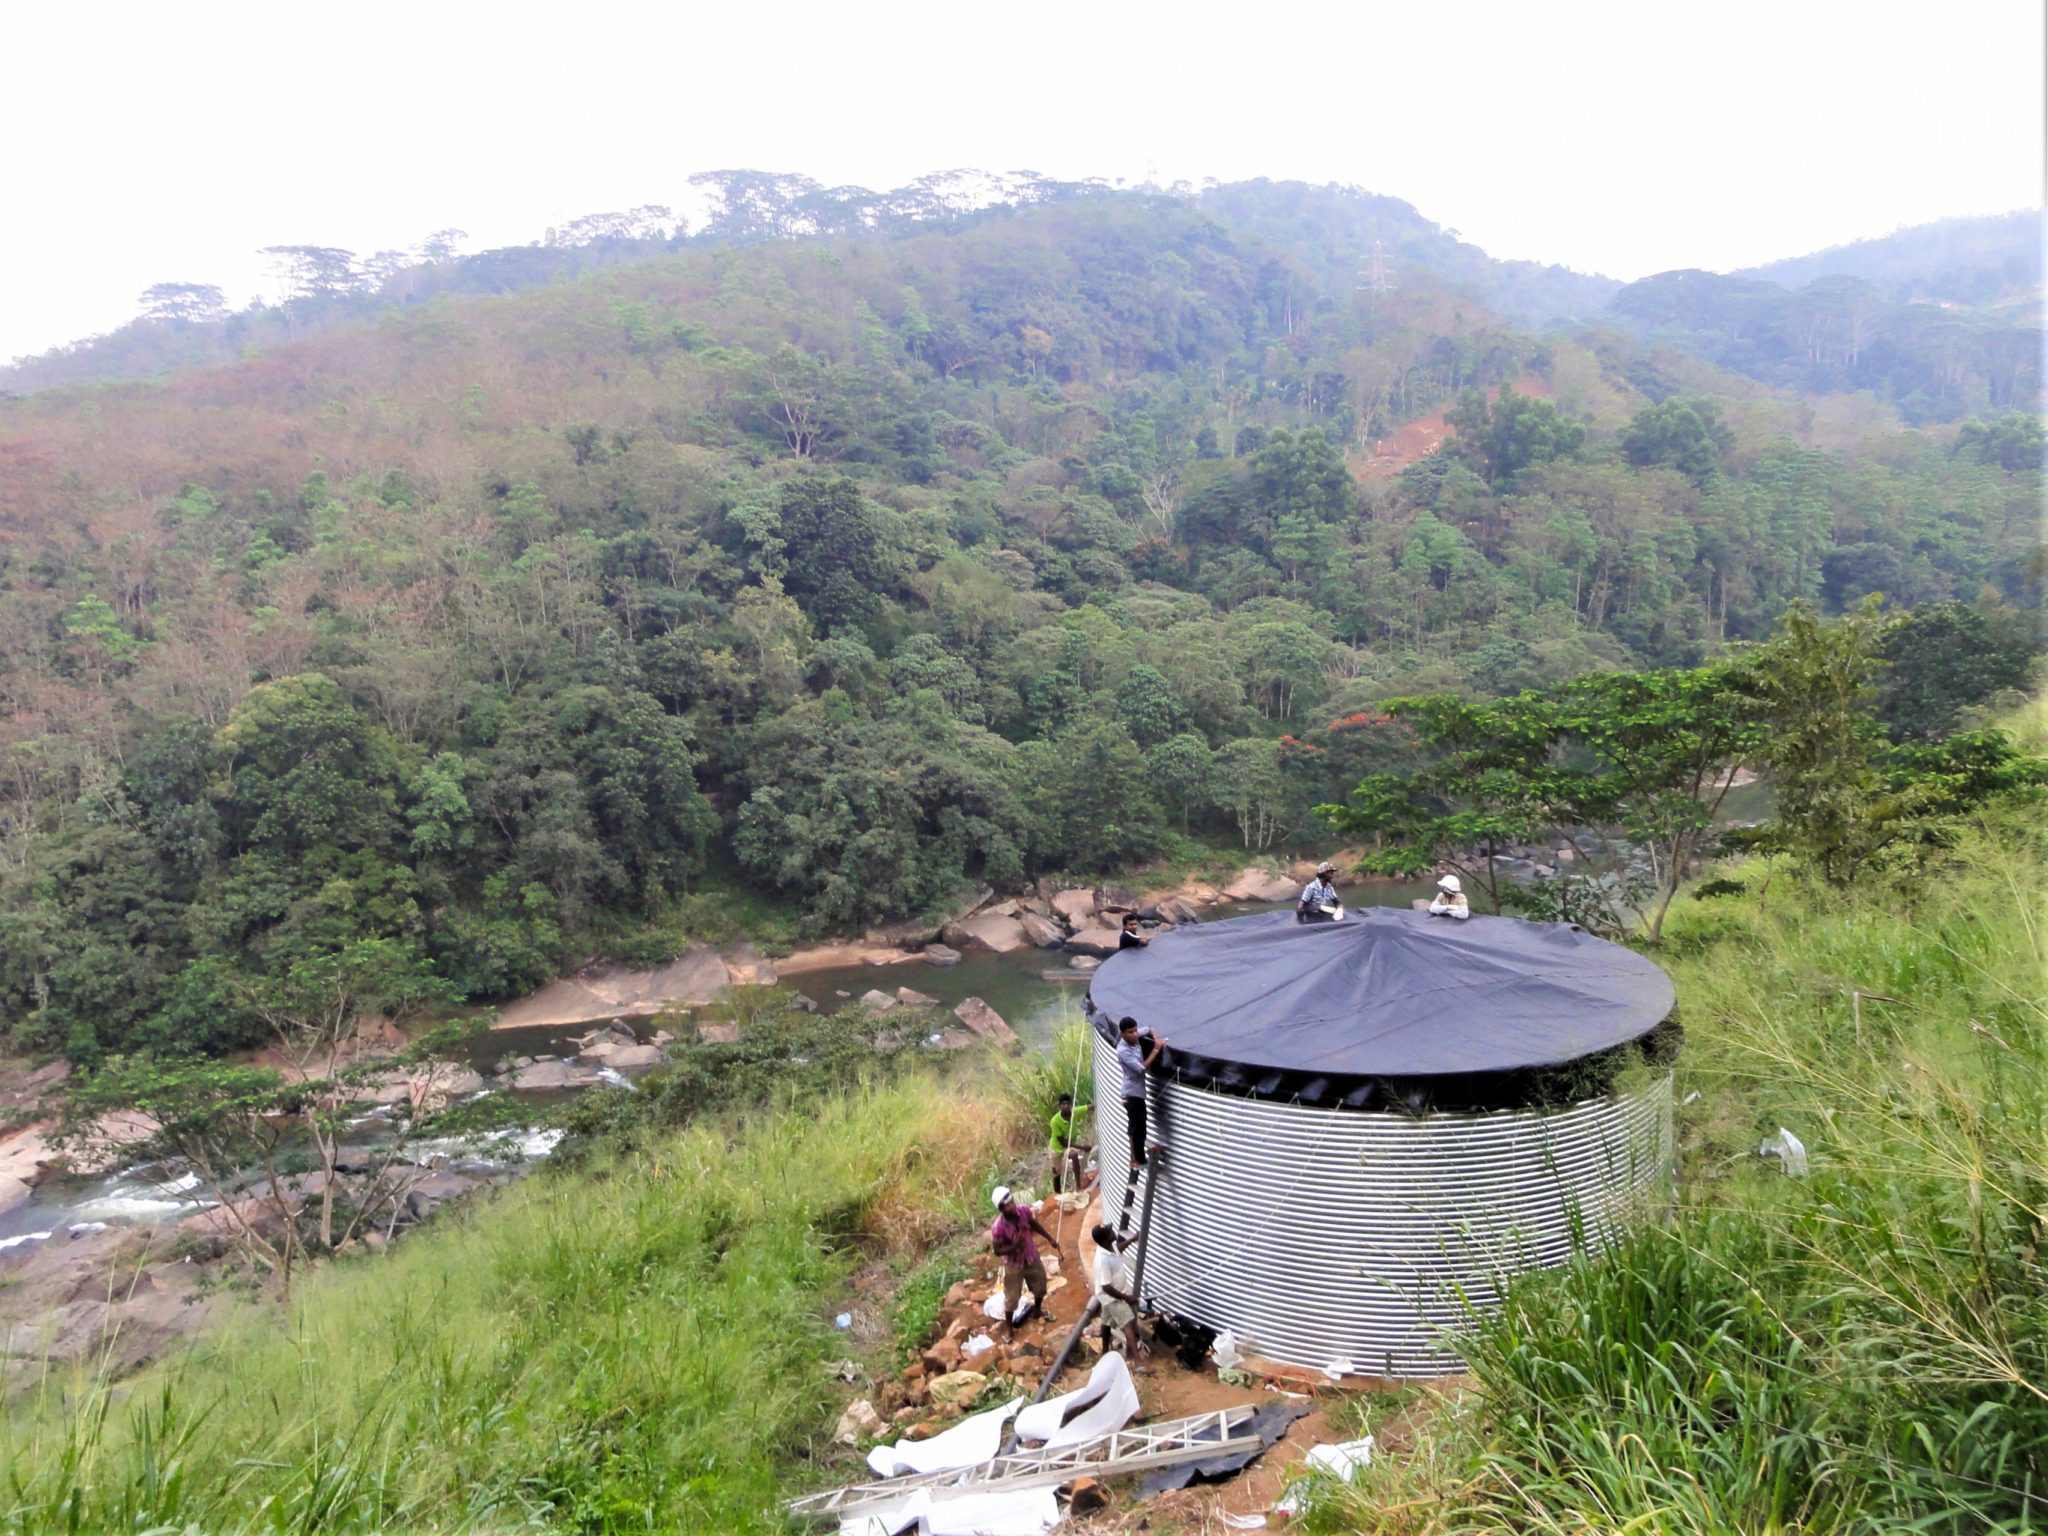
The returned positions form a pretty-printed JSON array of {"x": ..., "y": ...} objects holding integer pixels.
[
  {"x": 1136, "y": 1061},
  {"x": 1319, "y": 897},
  {"x": 1069, "y": 1157},
  {"x": 1450, "y": 900},
  {"x": 1011, "y": 1238},
  {"x": 1116, "y": 1292}
]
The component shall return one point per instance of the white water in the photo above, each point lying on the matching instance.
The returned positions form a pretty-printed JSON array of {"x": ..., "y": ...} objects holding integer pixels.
[{"x": 520, "y": 1143}]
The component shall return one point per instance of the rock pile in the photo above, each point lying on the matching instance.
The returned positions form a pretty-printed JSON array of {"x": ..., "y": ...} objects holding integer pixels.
[{"x": 1084, "y": 921}]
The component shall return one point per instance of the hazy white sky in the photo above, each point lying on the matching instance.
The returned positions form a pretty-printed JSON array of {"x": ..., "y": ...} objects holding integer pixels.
[{"x": 153, "y": 142}]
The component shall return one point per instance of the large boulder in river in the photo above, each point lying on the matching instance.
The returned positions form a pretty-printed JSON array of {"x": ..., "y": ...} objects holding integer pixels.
[
  {"x": 1101, "y": 942},
  {"x": 910, "y": 997},
  {"x": 605, "y": 1034},
  {"x": 941, "y": 954},
  {"x": 910, "y": 933},
  {"x": 1074, "y": 907},
  {"x": 877, "y": 999},
  {"x": 1041, "y": 931},
  {"x": 1171, "y": 909},
  {"x": 629, "y": 1057},
  {"x": 436, "y": 1189},
  {"x": 1260, "y": 885},
  {"x": 424, "y": 1085},
  {"x": 547, "y": 1075},
  {"x": 603, "y": 992},
  {"x": 985, "y": 1022},
  {"x": 998, "y": 935}
]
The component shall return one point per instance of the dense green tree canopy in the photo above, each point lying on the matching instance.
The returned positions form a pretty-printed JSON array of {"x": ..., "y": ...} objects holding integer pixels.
[{"x": 853, "y": 555}]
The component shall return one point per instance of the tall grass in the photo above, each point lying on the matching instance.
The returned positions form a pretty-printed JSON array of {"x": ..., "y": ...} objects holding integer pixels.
[
  {"x": 1861, "y": 1349},
  {"x": 635, "y": 1346}
]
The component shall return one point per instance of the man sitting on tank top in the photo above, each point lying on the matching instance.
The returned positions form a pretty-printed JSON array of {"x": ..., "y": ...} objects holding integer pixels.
[{"x": 1450, "y": 900}]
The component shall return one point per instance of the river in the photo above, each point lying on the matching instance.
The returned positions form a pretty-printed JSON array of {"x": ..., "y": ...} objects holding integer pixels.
[{"x": 1035, "y": 991}]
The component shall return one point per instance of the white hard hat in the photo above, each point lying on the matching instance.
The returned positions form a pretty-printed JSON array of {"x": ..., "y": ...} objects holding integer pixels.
[
  {"x": 1002, "y": 1193},
  {"x": 1449, "y": 883}
]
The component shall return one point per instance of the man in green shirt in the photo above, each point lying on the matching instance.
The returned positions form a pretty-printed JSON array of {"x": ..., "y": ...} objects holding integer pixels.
[{"x": 1069, "y": 1157}]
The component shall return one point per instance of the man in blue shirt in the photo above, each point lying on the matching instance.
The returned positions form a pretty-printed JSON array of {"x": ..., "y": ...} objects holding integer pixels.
[
  {"x": 1319, "y": 900},
  {"x": 1132, "y": 1056}
]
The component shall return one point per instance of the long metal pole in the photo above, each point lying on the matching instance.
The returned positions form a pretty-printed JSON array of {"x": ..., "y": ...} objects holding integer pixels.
[{"x": 1059, "y": 1364}]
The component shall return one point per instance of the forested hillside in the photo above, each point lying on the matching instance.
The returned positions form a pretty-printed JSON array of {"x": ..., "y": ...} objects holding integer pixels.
[
  {"x": 1941, "y": 321},
  {"x": 1994, "y": 260},
  {"x": 1337, "y": 235},
  {"x": 850, "y": 567}
]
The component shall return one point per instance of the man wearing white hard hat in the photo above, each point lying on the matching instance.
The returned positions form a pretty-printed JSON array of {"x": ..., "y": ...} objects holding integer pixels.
[
  {"x": 1011, "y": 1238},
  {"x": 1450, "y": 900}
]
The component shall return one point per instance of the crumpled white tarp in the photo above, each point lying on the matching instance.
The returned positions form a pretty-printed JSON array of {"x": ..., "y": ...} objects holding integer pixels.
[
  {"x": 967, "y": 1444},
  {"x": 1108, "y": 1402},
  {"x": 1028, "y": 1512}
]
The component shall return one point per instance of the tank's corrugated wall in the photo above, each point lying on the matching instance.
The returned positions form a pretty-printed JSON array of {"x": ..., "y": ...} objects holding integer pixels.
[{"x": 1341, "y": 1240}]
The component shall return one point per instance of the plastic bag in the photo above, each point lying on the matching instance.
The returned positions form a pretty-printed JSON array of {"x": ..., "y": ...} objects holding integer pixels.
[{"x": 1228, "y": 1356}]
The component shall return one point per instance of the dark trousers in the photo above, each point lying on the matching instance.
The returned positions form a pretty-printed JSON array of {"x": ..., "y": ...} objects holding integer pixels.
[{"x": 1134, "y": 1127}]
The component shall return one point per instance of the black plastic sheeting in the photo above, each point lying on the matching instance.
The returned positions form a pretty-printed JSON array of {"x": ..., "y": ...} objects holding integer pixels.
[
  {"x": 1391, "y": 1009},
  {"x": 1269, "y": 1424}
]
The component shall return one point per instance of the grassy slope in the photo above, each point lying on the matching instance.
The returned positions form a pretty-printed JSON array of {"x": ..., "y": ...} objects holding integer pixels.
[
  {"x": 1865, "y": 1349},
  {"x": 636, "y": 1348}
]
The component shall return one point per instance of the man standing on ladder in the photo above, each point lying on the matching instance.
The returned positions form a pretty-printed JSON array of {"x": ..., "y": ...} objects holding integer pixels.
[{"x": 1132, "y": 1056}]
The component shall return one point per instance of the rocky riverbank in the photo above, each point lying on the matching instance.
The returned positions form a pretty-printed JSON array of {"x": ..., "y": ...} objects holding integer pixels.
[{"x": 1077, "y": 922}]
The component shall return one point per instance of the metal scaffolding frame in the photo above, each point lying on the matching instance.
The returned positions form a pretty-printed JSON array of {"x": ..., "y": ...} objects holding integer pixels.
[{"x": 1134, "y": 1448}]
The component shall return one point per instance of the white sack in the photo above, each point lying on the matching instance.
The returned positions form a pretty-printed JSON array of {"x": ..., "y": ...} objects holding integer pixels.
[
  {"x": 1109, "y": 1401},
  {"x": 967, "y": 1444}
]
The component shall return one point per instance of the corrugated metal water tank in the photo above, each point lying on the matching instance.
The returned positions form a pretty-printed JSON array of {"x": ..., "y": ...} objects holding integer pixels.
[
  {"x": 1348, "y": 1240},
  {"x": 1371, "y": 1124}
]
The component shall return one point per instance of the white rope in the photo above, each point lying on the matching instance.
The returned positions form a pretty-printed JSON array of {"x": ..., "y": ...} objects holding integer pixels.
[{"x": 1059, "y": 1225}]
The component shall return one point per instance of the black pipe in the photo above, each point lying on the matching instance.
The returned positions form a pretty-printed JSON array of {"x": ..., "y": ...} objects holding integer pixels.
[{"x": 1152, "y": 1157}]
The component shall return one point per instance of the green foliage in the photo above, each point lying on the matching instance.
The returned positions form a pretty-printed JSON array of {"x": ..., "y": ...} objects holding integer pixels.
[
  {"x": 865, "y": 819},
  {"x": 1686, "y": 435},
  {"x": 870, "y": 569},
  {"x": 1841, "y": 333},
  {"x": 1843, "y": 796},
  {"x": 1089, "y": 799},
  {"x": 1511, "y": 434},
  {"x": 1942, "y": 660},
  {"x": 642, "y": 1344},
  {"x": 753, "y": 1047},
  {"x": 1631, "y": 767},
  {"x": 920, "y": 1298},
  {"x": 834, "y": 552},
  {"x": 1864, "y": 1349},
  {"x": 1814, "y": 684},
  {"x": 2015, "y": 441}
]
